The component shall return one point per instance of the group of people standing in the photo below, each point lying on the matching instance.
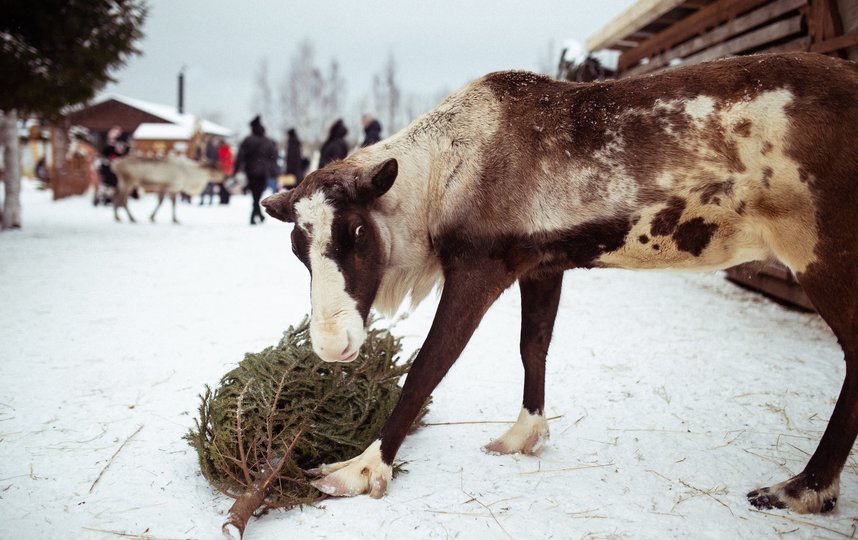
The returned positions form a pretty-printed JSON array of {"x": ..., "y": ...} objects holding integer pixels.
[
  {"x": 257, "y": 157},
  {"x": 335, "y": 146}
]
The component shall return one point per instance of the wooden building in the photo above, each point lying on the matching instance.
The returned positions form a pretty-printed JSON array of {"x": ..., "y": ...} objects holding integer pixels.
[
  {"x": 151, "y": 128},
  {"x": 657, "y": 34},
  {"x": 128, "y": 113}
]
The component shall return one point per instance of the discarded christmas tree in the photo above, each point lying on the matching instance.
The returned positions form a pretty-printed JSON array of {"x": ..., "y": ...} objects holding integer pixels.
[{"x": 284, "y": 410}]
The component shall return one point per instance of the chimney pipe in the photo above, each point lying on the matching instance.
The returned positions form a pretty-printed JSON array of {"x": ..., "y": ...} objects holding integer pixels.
[{"x": 182, "y": 90}]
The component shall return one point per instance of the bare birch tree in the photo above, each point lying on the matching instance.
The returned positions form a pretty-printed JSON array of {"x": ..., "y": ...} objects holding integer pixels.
[
  {"x": 11, "y": 210},
  {"x": 262, "y": 100},
  {"x": 387, "y": 95},
  {"x": 334, "y": 94},
  {"x": 301, "y": 95},
  {"x": 549, "y": 60}
]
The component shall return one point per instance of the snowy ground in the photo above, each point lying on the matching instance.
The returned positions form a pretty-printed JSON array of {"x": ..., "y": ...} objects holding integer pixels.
[{"x": 675, "y": 394}]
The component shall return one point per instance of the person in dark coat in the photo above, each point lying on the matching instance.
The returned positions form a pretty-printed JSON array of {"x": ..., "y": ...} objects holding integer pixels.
[
  {"x": 257, "y": 156},
  {"x": 335, "y": 147},
  {"x": 294, "y": 158},
  {"x": 371, "y": 130}
]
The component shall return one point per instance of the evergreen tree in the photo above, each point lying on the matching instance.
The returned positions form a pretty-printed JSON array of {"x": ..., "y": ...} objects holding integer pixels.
[
  {"x": 54, "y": 55},
  {"x": 60, "y": 52}
]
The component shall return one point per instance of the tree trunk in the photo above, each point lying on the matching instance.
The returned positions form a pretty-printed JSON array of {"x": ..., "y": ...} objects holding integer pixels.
[{"x": 11, "y": 217}]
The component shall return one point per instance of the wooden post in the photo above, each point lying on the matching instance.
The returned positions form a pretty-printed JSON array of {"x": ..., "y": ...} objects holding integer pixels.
[{"x": 824, "y": 24}]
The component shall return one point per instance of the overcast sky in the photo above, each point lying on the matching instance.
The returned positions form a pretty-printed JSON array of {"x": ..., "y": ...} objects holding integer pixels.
[{"x": 438, "y": 45}]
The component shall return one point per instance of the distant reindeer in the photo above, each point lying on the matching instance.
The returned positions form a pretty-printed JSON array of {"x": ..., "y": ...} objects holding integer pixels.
[
  {"x": 517, "y": 177},
  {"x": 169, "y": 175}
]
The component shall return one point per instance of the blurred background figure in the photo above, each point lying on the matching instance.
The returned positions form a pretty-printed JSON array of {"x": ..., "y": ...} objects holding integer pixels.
[
  {"x": 335, "y": 146},
  {"x": 212, "y": 157},
  {"x": 273, "y": 182},
  {"x": 257, "y": 157},
  {"x": 294, "y": 157},
  {"x": 115, "y": 146},
  {"x": 225, "y": 163},
  {"x": 371, "y": 130}
]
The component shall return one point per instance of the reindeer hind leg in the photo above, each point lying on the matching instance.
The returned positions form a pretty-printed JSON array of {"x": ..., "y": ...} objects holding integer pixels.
[
  {"x": 173, "y": 200},
  {"x": 161, "y": 195},
  {"x": 540, "y": 297},
  {"x": 831, "y": 282}
]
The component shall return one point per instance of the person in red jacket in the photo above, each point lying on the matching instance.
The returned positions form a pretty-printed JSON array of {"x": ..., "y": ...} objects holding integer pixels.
[{"x": 225, "y": 163}]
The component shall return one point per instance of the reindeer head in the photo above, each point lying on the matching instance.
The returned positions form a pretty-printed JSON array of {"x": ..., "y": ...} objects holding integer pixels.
[{"x": 338, "y": 241}]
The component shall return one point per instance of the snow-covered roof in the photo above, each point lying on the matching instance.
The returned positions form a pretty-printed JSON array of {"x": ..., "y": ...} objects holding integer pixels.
[
  {"x": 169, "y": 114},
  {"x": 163, "y": 132}
]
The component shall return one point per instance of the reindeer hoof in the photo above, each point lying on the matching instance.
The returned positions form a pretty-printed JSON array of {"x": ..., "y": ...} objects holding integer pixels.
[
  {"x": 366, "y": 473},
  {"x": 796, "y": 494},
  {"x": 527, "y": 436}
]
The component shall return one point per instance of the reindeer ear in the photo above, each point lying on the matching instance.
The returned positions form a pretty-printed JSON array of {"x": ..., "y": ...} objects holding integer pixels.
[
  {"x": 379, "y": 179},
  {"x": 280, "y": 206}
]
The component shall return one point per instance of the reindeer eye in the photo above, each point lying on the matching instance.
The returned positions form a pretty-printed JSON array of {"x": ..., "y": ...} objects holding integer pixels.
[{"x": 358, "y": 231}]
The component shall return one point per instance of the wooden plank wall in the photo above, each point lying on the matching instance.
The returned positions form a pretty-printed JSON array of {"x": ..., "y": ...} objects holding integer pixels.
[{"x": 731, "y": 27}]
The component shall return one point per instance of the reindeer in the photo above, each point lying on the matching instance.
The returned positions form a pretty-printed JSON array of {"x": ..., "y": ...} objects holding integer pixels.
[
  {"x": 517, "y": 177},
  {"x": 169, "y": 175}
]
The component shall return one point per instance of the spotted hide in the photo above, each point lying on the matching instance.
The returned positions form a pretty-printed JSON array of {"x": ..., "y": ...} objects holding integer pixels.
[{"x": 517, "y": 177}]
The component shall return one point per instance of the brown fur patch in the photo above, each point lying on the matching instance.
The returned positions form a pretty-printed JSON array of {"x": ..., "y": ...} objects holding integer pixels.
[
  {"x": 709, "y": 192},
  {"x": 694, "y": 235},
  {"x": 767, "y": 174},
  {"x": 666, "y": 220},
  {"x": 743, "y": 128}
]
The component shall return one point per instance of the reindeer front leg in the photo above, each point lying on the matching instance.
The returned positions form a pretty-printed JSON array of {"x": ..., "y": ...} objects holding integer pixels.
[
  {"x": 468, "y": 293},
  {"x": 120, "y": 199},
  {"x": 540, "y": 297}
]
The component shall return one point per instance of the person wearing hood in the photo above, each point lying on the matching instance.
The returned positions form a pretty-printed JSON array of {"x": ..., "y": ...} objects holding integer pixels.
[
  {"x": 335, "y": 147},
  {"x": 371, "y": 130},
  {"x": 257, "y": 156}
]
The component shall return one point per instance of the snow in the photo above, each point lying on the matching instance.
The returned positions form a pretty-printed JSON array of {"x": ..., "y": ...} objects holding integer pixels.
[
  {"x": 672, "y": 394},
  {"x": 152, "y": 131}
]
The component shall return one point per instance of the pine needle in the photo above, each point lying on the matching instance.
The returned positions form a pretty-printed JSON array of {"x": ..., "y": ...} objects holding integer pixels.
[{"x": 110, "y": 461}]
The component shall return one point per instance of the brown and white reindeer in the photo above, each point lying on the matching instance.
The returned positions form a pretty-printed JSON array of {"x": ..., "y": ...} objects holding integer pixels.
[{"x": 517, "y": 177}]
